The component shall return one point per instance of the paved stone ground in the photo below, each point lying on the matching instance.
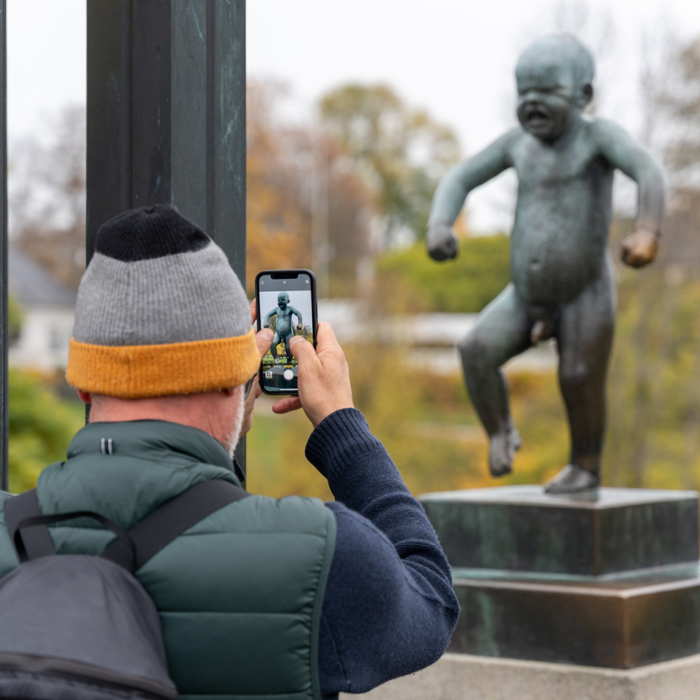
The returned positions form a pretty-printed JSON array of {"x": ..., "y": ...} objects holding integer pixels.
[{"x": 464, "y": 677}]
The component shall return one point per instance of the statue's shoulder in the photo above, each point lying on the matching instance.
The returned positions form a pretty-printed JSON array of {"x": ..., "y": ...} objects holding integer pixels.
[
  {"x": 610, "y": 138},
  {"x": 512, "y": 137},
  {"x": 503, "y": 149},
  {"x": 602, "y": 128},
  {"x": 510, "y": 142}
]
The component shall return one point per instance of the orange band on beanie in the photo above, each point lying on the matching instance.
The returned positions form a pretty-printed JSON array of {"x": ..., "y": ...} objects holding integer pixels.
[{"x": 140, "y": 371}]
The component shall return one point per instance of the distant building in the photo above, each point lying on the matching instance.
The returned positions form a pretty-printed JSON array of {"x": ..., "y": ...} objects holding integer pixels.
[{"x": 48, "y": 308}]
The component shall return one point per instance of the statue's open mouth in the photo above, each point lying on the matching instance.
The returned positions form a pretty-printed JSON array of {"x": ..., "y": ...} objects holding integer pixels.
[{"x": 536, "y": 116}]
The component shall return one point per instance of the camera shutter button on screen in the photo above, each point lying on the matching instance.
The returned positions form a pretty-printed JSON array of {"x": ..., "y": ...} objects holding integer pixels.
[{"x": 288, "y": 375}]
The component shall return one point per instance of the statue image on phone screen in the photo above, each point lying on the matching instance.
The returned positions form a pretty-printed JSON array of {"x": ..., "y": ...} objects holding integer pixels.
[{"x": 286, "y": 313}]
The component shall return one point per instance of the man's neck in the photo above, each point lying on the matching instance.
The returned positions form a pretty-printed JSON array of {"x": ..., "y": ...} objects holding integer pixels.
[{"x": 218, "y": 413}]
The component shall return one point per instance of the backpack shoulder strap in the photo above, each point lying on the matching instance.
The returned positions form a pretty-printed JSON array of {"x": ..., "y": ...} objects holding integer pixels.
[
  {"x": 37, "y": 540},
  {"x": 174, "y": 517}
]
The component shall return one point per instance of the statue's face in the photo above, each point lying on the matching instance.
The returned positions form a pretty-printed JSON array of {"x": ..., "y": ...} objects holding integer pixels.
[
  {"x": 548, "y": 99},
  {"x": 283, "y": 300}
]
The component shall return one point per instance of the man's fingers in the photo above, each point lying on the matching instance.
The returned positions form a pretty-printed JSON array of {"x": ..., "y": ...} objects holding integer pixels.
[
  {"x": 263, "y": 340},
  {"x": 253, "y": 312},
  {"x": 286, "y": 405},
  {"x": 255, "y": 390},
  {"x": 326, "y": 337}
]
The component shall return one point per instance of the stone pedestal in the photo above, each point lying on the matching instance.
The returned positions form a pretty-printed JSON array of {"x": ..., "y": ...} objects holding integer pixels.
[{"x": 610, "y": 581}]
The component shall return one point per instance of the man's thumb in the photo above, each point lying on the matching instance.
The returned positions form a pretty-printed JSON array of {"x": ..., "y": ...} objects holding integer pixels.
[{"x": 301, "y": 348}]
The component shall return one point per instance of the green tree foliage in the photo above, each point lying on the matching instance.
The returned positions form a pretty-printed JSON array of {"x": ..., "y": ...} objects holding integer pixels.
[
  {"x": 41, "y": 426},
  {"x": 654, "y": 386},
  {"x": 409, "y": 279},
  {"x": 400, "y": 151}
]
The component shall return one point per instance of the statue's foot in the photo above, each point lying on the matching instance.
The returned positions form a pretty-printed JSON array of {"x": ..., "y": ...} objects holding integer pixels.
[
  {"x": 515, "y": 440},
  {"x": 502, "y": 452},
  {"x": 277, "y": 360},
  {"x": 572, "y": 479}
]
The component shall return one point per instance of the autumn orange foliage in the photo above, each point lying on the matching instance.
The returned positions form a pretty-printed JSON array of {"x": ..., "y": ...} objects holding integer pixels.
[
  {"x": 278, "y": 223},
  {"x": 286, "y": 165}
]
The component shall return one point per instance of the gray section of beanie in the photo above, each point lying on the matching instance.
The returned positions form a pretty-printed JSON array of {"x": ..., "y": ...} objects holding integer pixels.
[{"x": 173, "y": 299}]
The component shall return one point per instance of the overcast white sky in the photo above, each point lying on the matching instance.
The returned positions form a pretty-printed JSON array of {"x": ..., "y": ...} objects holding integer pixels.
[{"x": 453, "y": 57}]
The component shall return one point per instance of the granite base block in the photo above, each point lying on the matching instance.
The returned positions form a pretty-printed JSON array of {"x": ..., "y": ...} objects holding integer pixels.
[
  {"x": 613, "y": 624},
  {"x": 606, "y": 579},
  {"x": 464, "y": 677},
  {"x": 522, "y": 529}
]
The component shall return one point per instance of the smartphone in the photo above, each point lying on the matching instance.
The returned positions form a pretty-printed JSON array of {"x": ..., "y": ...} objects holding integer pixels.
[{"x": 286, "y": 303}]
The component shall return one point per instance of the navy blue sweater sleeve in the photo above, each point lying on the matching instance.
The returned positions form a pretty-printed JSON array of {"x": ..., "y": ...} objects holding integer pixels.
[{"x": 389, "y": 607}]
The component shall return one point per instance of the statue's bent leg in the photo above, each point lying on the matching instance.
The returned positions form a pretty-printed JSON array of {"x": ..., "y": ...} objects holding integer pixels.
[
  {"x": 501, "y": 332},
  {"x": 287, "y": 350},
  {"x": 273, "y": 347},
  {"x": 584, "y": 340}
]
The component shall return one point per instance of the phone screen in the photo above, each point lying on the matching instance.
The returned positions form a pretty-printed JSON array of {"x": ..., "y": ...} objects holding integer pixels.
[{"x": 286, "y": 301}]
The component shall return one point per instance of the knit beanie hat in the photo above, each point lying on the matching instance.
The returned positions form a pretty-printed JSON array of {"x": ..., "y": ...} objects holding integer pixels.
[{"x": 159, "y": 312}]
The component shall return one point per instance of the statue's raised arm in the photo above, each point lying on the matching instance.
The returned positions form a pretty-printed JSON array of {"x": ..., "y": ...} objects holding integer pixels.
[
  {"x": 268, "y": 316},
  {"x": 300, "y": 322},
  {"x": 453, "y": 190},
  {"x": 639, "y": 248}
]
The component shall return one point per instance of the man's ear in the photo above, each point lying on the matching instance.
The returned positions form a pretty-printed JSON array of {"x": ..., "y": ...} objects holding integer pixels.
[
  {"x": 586, "y": 94},
  {"x": 85, "y": 396}
]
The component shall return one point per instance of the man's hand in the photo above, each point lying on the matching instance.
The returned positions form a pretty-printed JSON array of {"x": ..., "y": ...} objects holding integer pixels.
[
  {"x": 324, "y": 378},
  {"x": 263, "y": 340},
  {"x": 639, "y": 248},
  {"x": 441, "y": 242}
]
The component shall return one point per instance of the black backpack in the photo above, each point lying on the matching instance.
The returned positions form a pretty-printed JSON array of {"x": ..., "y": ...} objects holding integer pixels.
[{"x": 80, "y": 627}]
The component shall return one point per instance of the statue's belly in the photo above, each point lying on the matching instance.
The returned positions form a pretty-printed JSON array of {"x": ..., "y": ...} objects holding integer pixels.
[
  {"x": 553, "y": 259},
  {"x": 284, "y": 325}
]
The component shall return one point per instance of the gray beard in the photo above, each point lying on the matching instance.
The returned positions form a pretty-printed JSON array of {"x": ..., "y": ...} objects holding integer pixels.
[{"x": 234, "y": 434}]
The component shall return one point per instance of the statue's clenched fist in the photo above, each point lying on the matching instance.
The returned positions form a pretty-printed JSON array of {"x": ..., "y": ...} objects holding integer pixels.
[
  {"x": 441, "y": 242},
  {"x": 639, "y": 248}
]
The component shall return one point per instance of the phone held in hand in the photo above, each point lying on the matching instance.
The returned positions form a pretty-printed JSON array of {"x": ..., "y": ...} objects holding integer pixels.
[{"x": 286, "y": 303}]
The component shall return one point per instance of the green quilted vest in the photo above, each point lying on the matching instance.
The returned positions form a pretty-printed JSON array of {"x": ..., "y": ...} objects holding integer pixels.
[{"x": 239, "y": 594}]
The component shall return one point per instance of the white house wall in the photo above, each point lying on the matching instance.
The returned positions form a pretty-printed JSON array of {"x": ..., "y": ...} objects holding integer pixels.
[{"x": 43, "y": 340}]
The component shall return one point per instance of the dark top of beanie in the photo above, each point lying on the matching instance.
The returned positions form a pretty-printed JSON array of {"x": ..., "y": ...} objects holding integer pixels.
[{"x": 149, "y": 232}]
